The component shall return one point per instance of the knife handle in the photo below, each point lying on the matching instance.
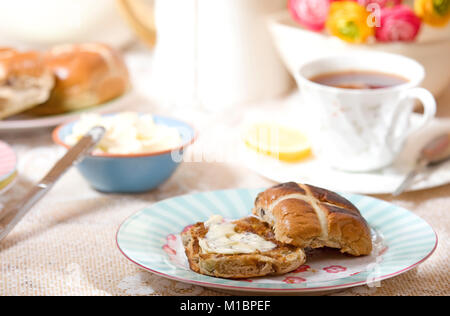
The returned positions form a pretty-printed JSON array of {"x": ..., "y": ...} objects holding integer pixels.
[{"x": 73, "y": 156}]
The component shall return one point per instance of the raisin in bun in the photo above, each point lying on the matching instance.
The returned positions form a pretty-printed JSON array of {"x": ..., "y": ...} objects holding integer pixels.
[
  {"x": 25, "y": 81},
  {"x": 86, "y": 75},
  {"x": 307, "y": 216}
]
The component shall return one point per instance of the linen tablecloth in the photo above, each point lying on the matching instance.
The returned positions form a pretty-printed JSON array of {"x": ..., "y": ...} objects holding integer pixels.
[{"x": 66, "y": 245}]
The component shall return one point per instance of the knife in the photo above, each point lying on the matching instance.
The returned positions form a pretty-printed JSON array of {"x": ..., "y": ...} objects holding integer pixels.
[
  {"x": 433, "y": 154},
  {"x": 12, "y": 215}
]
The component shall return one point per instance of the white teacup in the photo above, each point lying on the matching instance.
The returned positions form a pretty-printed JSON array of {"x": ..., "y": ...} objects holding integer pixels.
[{"x": 364, "y": 130}]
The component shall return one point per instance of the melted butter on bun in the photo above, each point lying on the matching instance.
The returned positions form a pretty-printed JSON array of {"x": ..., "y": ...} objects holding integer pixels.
[{"x": 222, "y": 238}]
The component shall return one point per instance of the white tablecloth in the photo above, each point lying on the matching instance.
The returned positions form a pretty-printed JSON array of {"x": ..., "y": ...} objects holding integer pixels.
[{"x": 66, "y": 245}]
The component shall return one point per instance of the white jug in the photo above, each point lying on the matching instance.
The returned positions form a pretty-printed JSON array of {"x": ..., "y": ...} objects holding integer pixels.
[{"x": 212, "y": 53}]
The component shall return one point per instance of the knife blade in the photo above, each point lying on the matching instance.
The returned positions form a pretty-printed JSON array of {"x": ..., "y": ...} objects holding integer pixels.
[
  {"x": 12, "y": 215},
  {"x": 436, "y": 152}
]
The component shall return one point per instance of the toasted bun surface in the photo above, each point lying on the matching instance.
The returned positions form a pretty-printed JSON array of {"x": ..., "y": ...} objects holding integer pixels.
[
  {"x": 86, "y": 75},
  {"x": 281, "y": 260},
  {"x": 25, "y": 81},
  {"x": 307, "y": 216}
]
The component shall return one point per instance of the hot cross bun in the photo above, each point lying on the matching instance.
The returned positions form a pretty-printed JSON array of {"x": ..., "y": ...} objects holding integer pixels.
[{"x": 306, "y": 216}]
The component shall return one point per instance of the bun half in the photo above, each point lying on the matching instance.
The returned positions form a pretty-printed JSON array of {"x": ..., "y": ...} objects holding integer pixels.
[{"x": 307, "y": 216}]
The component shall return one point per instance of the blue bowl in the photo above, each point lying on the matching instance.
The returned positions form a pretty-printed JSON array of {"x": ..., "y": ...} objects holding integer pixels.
[{"x": 134, "y": 173}]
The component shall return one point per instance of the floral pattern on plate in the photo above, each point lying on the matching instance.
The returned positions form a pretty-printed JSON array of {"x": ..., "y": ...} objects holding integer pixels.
[{"x": 151, "y": 240}]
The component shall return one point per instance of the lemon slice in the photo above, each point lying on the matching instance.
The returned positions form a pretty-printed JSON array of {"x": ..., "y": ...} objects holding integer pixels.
[{"x": 281, "y": 142}]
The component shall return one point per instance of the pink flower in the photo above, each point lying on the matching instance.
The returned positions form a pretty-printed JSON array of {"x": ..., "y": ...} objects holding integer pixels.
[
  {"x": 187, "y": 228},
  {"x": 383, "y": 251},
  {"x": 311, "y": 14},
  {"x": 303, "y": 268},
  {"x": 335, "y": 269},
  {"x": 398, "y": 24},
  {"x": 169, "y": 250},
  {"x": 294, "y": 280}
]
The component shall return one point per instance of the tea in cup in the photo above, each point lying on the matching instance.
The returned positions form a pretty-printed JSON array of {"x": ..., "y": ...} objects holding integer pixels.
[{"x": 361, "y": 106}]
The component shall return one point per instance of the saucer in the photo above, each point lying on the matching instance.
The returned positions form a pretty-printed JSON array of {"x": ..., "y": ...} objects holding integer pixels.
[
  {"x": 315, "y": 172},
  {"x": 384, "y": 181}
]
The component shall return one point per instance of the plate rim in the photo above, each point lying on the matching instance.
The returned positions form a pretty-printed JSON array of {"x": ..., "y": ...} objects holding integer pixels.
[
  {"x": 269, "y": 290},
  {"x": 54, "y": 120},
  {"x": 13, "y": 154},
  {"x": 11, "y": 182}
]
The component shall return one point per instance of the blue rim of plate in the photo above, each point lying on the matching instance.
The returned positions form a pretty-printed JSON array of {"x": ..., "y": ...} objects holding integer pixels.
[{"x": 141, "y": 238}]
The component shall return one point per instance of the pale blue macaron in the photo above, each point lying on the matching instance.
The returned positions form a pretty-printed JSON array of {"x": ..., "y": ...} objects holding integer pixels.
[{"x": 133, "y": 173}]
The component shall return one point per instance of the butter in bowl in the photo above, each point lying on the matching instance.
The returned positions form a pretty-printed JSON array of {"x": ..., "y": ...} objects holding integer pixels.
[{"x": 138, "y": 153}]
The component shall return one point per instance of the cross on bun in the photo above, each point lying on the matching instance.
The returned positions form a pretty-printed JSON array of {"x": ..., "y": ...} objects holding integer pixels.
[
  {"x": 306, "y": 216},
  {"x": 25, "y": 81}
]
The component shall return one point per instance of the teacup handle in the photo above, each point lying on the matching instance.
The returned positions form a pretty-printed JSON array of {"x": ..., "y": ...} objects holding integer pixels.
[{"x": 429, "y": 106}]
